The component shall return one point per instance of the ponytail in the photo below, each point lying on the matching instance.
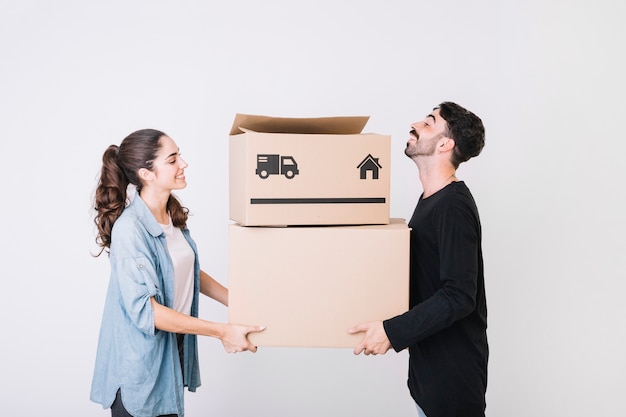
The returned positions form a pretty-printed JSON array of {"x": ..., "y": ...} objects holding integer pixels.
[{"x": 110, "y": 198}]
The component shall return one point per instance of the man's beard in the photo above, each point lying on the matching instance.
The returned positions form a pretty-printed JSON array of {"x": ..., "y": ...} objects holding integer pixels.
[
  {"x": 409, "y": 151},
  {"x": 426, "y": 150}
]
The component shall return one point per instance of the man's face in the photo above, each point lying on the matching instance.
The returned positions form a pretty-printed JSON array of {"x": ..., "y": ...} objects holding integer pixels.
[{"x": 424, "y": 135}]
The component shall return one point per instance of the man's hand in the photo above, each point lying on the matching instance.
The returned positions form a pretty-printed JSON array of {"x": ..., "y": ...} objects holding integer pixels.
[{"x": 375, "y": 340}]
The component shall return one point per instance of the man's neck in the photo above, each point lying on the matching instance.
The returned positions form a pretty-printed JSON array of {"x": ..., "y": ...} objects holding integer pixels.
[{"x": 434, "y": 177}]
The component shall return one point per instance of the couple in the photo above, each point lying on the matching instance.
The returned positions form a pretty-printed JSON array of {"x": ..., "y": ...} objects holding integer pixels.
[{"x": 147, "y": 350}]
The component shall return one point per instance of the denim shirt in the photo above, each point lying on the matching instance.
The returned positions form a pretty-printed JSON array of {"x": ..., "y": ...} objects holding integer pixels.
[{"x": 132, "y": 355}]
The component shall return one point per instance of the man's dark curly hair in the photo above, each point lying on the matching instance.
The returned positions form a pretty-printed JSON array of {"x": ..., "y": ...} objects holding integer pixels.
[{"x": 465, "y": 128}]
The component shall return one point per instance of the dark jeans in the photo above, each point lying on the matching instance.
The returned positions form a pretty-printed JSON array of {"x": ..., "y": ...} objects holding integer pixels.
[{"x": 117, "y": 408}]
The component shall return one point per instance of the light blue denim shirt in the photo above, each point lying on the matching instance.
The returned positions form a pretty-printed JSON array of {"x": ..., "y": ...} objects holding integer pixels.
[{"x": 132, "y": 355}]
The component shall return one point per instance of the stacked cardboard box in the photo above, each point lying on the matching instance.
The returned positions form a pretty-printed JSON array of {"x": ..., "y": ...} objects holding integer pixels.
[{"x": 313, "y": 250}]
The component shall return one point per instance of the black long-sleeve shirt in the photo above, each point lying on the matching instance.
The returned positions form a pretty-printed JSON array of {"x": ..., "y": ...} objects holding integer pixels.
[{"x": 446, "y": 326}]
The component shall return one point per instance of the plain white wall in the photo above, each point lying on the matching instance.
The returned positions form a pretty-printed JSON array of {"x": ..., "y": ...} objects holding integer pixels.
[{"x": 545, "y": 76}]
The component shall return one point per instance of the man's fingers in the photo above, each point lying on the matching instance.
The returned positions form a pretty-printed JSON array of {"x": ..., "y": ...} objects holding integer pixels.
[
  {"x": 361, "y": 347},
  {"x": 358, "y": 328},
  {"x": 352, "y": 330}
]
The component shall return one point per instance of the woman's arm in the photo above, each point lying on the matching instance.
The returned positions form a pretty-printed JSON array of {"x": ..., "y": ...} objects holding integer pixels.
[
  {"x": 213, "y": 289},
  {"x": 234, "y": 337}
]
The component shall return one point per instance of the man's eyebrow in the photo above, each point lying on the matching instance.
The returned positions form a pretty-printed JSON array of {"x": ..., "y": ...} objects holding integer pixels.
[{"x": 430, "y": 115}]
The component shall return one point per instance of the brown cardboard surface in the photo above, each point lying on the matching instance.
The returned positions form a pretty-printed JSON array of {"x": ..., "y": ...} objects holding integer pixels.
[
  {"x": 340, "y": 125},
  {"x": 296, "y": 178},
  {"x": 308, "y": 285}
]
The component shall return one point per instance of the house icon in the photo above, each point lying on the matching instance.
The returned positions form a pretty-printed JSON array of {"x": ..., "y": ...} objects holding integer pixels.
[{"x": 369, "y": 164}]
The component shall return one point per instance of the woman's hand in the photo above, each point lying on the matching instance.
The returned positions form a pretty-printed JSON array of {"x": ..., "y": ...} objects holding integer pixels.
[{"x": 235, "y": 337}]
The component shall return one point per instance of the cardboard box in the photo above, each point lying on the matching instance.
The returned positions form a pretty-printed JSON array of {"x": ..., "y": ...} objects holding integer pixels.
[
  {"x": 311, "y": 171},
  {"x": 309, "y": 285}
]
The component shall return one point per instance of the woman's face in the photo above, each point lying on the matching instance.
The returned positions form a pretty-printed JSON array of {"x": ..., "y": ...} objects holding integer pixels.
[{"x": 168, "y": 167}]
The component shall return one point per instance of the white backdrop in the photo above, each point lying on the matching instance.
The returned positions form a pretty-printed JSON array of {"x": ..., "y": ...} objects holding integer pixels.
[{"x": 545, "y": 76}]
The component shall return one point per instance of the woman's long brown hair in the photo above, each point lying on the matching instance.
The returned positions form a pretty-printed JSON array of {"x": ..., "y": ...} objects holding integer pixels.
[{"x": 120, "y": 167}]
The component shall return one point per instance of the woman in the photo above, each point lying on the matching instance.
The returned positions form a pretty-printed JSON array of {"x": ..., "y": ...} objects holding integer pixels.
[{"x": 147, "y": 349}]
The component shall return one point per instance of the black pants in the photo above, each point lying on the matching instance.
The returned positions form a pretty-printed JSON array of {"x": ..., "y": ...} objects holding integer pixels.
[{"x": 117, "y": 408}]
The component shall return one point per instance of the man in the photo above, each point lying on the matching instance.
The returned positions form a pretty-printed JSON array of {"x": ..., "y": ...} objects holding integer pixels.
[{"x": 446, "y": 326}]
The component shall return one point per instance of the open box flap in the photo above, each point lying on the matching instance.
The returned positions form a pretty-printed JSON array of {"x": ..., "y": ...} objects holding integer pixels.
[{"x": 340, "y": 125}]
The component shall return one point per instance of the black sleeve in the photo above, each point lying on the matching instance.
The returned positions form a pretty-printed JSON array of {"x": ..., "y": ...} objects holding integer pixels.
[{"x": 457, "y": 233}]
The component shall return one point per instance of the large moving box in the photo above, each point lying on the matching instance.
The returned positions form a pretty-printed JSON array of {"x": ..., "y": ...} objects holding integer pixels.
[
  {"x": 309, "y": 285},
  {"x": 310, "y": 171}
]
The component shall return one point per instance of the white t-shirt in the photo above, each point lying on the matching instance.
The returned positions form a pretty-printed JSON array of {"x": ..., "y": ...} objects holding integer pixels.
[{"x": 183, "y": 259}]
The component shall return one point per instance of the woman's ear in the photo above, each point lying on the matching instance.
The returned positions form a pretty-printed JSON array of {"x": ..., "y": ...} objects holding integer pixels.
[{"x": 145, "y": 175}]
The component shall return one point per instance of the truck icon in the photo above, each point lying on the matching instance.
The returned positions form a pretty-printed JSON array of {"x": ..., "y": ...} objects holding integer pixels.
[{"x": 268, "y": 164}]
